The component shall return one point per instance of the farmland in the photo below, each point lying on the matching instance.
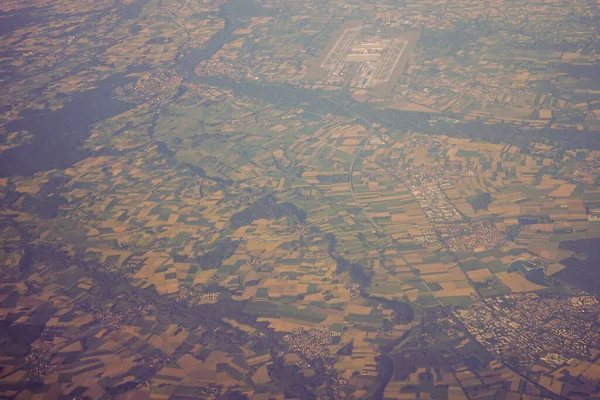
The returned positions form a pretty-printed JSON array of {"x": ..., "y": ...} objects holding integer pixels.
[{"x": 299, "y": 200}]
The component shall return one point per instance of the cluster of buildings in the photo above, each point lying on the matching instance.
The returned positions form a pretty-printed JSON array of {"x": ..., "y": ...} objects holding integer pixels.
[
  {"x": 114, "y": 320},
  {"x": 585, "y": 167},
  {"x": 337, "y": 387},
  {"x": 440, "y": 173},
  {"x": 376, "y": 58},
  {"x": 40, "y": 370},
  {"x": 246, "y": 197},
  {"x": 40, "y": 364},
  {"x": 434, "y": 203},
  {"x": 468, "y": 236},
  {"x": 111, "y": 269},
  {"x": 212, "y": 389},
  {"x": 155, "y": 363},
  {"x": 536, "y": 149},
  {"x": 209, "y": 231},
  {"x": 312, "y": 344},
  {"x": 158, "y": 361},
  {"x": 34, "y": 286},
  {"x": 450, "y": 227},
  {"x": 320, "y": 255},
  {"x": 522, "y": 328},
  {"x": 156, "y": 88},
  {"x": 214, "y": 67},
  {"x": 255, "y": 263},
  {"x": 209, "y": 296},
  {"x": 84, "y": 305},
  {"x": 424, "y": 183},
  {"x": 355, "y": 292},
  {"x": 424, "y": 142},
  {"x": 188, "y": 295},
  {"x": 428, "y": 237}
]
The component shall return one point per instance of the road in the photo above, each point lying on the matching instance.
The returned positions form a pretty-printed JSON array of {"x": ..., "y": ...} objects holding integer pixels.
[
  {"x": 371, "y": 220},
  {"x": 373, "y": 223}
]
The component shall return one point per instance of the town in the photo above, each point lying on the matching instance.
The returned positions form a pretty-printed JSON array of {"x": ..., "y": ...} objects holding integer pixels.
[{"x": 522, "y": 328}]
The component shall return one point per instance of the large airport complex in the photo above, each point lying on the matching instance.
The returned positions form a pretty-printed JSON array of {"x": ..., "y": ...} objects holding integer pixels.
[
  {"x": 365, "y": 56},
  {"x": 364, "y": 61}
]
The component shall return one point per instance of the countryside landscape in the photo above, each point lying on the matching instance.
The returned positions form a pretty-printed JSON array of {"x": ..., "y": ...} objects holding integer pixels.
[{"x": 300, "y": 199}]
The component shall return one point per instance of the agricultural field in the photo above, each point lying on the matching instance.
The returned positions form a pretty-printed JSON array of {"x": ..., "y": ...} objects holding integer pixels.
[{"x": 268, "y": 199}]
